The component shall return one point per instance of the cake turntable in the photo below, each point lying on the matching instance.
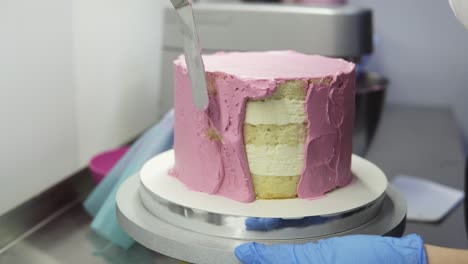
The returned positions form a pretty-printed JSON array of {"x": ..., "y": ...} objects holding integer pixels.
[{"x": 163, "y": 215}]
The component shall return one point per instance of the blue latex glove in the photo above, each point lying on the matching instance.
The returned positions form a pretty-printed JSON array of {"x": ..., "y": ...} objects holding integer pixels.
[
  {"x": 101, "y": 202},
  {"x": 266, "y": 224},
  {"x": 359, "y": 249}
]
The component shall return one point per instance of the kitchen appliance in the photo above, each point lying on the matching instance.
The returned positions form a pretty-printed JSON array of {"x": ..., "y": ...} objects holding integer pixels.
[
  {"x": 337, "y": 31},
  {"x": 341, "y": 31},
  {"x": 371, "y": 90}
]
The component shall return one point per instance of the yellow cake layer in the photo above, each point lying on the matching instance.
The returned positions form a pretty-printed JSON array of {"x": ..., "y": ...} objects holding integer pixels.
[
  {"x": 290, "y": 134},
  {"x": 275, "y": 187},
  {"x": 293, "y": 90},
  {"x": 274, "y": 136}
]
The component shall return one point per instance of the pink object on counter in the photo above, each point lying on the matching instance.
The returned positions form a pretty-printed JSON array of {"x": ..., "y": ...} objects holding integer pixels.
[
  {"x": 101, "y": 164},
  {"x": 220, "y": 166}
]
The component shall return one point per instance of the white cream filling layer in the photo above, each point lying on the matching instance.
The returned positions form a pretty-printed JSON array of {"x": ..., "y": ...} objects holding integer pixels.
[
  {"x": 275, "y": 160},
  {"x": 275, "y": 112}
]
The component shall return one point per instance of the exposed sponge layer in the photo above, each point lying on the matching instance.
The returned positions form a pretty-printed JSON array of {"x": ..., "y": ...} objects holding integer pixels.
[
  {"x": 275, "y": 187},
  {"x": 290, "y": 134},
  {"x": 293, "y": 90},
  {"x": 275, "y": 160},
  {"x": 274, "y": 135},
  {"x": 275, "y": 112}
]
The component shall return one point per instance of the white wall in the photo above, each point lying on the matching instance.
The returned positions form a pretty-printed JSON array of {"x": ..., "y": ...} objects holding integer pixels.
[
  {"x": 37, "y": 107},
  {"x": 76, "y": 77},
  {"x": 117, "y": 47},
  {"x": 424, "y": 51}
]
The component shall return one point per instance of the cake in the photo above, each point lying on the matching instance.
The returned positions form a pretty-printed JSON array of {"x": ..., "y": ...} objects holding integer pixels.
[{"x": 278, "y": 125}]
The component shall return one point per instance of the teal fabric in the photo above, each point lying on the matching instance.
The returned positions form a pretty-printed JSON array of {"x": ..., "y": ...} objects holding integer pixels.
[{"x": 101, "y": 202}]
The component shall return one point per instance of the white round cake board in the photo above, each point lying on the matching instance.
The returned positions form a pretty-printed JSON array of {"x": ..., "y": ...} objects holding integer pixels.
[{"x": 369, "y": 184}]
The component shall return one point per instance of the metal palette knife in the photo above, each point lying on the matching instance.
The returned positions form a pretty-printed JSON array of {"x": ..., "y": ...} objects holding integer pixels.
[{"x": 192, "y": 53}]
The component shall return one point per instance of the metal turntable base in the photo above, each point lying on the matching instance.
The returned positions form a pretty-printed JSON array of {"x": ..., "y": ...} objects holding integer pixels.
[{"x": 211, "y": 238}]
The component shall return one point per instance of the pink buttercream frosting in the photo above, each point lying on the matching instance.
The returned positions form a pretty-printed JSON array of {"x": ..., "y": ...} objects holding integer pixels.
[{"x": 209, "y": 149}]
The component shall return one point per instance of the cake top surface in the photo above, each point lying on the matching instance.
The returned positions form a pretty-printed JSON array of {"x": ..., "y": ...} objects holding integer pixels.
[{"x": 272, "y": 65}]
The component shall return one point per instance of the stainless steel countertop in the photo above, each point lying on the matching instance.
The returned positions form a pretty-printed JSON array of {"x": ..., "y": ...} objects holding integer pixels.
[
  {"x": 69, "y": 239},
  {"x": 422, "y": 142}
]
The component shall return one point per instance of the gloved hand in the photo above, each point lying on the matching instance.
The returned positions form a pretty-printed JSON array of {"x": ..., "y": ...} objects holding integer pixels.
[
  {"x": 266, "y": 224},
  {"x": 359, "y": 249}
]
